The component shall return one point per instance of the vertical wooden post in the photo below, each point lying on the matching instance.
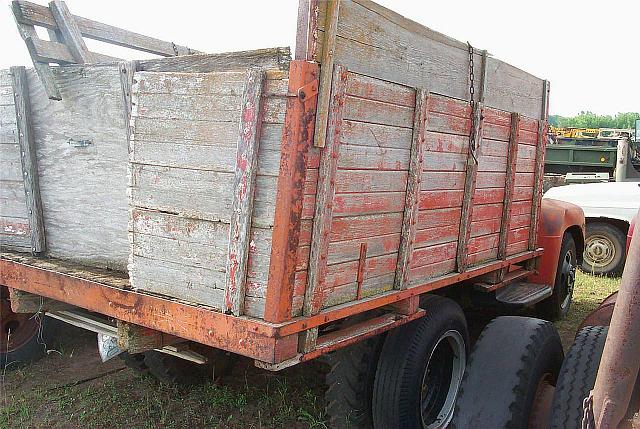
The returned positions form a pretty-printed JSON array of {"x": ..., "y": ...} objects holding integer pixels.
[
  {"x": 414, "y": 180},
  {"x": 127, "y": 71},
  {"x": 512, "y": 159},
  {"x": 297, "y": 138},
  {"x": 326, "y": 71},
  {"x": 244, "y": 186},
  {"x": 324, "y": 205},
  {"x": 70, "y": 32},
  {"x": 539, "y": 168},
  {"x": 28, "y": 159},
  {"x": 471, "y": 172}
]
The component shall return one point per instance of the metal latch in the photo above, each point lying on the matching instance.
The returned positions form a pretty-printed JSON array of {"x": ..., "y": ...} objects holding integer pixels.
[
  {"x": 80, "y": 143},
  {"x": 308, "y": 91}
]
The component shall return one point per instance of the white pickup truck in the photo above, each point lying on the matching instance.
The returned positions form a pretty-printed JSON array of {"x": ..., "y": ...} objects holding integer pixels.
[{"x": 608, "y": 210}]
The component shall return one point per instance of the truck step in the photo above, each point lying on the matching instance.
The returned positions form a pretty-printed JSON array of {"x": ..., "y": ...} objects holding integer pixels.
[
  {"x": 508, "y": 278},
  {"x": 523, "y": 294}
]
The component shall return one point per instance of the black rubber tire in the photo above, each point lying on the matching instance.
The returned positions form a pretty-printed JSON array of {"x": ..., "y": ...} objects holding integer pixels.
[
  {"x": 174, "y": 370},
  {"x": 396, "y": 401},
  {"x": 135, "y": 361},
  {"x": 35, "y": 349},
  {"x": 619, "y": 240},
  {"x": 577, "y": 377},
  {"x": 552, "y": 308},
  {"x": 350, "y": 384},
  {"x": 506, "y": 366}
]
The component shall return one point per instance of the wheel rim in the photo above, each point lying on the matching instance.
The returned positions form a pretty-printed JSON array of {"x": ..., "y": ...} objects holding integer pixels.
[
  {"x": 568, "y": 277},
  {"x": 16, "y": 329},
  {"x": 599, "y": 251},
  {"x": 441, "y": 380}
]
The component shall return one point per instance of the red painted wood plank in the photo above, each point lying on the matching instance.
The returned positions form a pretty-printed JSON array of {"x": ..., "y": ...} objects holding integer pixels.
[
  {"x": 347, "y": 272},
  {"x": 419, "y": 275},
  {"x": 356, "y": 204},
  {"x": 351, "y": 228},
  {"x": 486, "y": 211},
  {"x": 444, "y": 161},
  {"x": 442, "y": 142},
  {"x": 376, "y": 135},
  {"x": 438, "y": 218},
  {"x": 443, "y": 123},
  {"x": 434, "y": 254},
  {"x": 380, "y": 90},
  {"x": 517, "y": 235},
  {"x": 431, "y": 236},
  {"x": 488, "y": 196},
  {"x": 440, "y": 199},
  {"x": 372, "y": 158},
  {"x": 370, "y": 181},
  {"x": 485, "y": 227},
  {"x": 492, "y": 163},
  {"x": 484, "y": 242},
  {"x": 449, "y": 106},
  {"x": 442, "y": 180},
  {"x": 521, "y": 193},
  {"x": 377, "y": 112}
]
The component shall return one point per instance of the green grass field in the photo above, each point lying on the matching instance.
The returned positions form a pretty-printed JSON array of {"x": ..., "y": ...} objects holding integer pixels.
[{"x": 71, "y": 388}]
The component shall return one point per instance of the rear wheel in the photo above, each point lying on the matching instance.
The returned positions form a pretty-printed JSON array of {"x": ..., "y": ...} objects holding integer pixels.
[
  {"x": 577, "y": 377},
  {"x": 556, "y": 307},
  {"x": 350, "y": 384},
  {"x": 510, "y": 377},
  {"x": 420, "y": 368},
  {"x": 23, "y": 337},
  {"x": 604, "y": 249}
]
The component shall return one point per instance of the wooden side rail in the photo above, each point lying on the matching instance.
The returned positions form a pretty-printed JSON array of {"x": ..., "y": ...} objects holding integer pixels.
[{"x": 66, "y": 44}]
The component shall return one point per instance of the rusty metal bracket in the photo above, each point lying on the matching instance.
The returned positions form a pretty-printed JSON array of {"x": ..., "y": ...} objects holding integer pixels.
[{"x": 305, "y": 92}]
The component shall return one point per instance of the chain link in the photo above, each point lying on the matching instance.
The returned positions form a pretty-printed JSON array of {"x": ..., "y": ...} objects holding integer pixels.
[
  {"x": 587, "y": 413},
  {"x": 472, "y": 103}
]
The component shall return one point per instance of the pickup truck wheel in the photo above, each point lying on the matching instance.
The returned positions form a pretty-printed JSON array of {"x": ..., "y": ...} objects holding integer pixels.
[
  {"x": 171, "y": 369},
  {"x": 510, "y": 375},
  {"x": 577, "y": 377},
  {"x": 604, "y": 249},
  {"x": 23, "y": 337},
  {"x": 556, "y": 307},
  {"x": 350, "y": 384},
  {"x": 420, "y": 368}
]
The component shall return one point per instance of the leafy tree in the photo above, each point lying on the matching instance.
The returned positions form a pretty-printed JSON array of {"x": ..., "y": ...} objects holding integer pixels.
[{"x": 591, "y": 120}]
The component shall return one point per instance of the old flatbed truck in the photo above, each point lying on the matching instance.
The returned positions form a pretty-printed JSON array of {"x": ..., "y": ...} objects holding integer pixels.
[{"x": 350, "y": 202}]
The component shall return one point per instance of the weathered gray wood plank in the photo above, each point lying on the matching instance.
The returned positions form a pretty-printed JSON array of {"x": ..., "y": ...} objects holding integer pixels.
[
  {"x": 70, "y": 32},
  {"x": 412, "y": 196},
  {"x": 28, "y": 156},
  {"x": 246, "y": 167},
  {"x": 274, "y": 58},
  {"x": 378, "y": 42},
  {"x": 35, "y": 14}
]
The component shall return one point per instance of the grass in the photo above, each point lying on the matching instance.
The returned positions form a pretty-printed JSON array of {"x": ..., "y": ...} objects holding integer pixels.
[
  {"x": 588, "y": 293},
  {"x": 63, "y": 391}
]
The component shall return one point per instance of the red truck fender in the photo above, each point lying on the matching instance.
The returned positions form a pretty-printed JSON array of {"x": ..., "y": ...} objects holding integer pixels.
[{"x": 557, "y": 218}]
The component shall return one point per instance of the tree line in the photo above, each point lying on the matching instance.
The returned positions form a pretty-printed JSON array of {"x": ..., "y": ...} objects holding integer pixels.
[{"x": 591, "y": 120}]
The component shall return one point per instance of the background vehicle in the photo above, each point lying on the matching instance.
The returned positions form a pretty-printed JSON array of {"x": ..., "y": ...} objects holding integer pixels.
[
  {"x": 365, "y": 206},
  {"x": 608, "y": 209}
]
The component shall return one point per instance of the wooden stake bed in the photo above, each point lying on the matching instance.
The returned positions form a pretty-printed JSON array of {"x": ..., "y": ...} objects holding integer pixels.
[{"x": 250, "y": 200}]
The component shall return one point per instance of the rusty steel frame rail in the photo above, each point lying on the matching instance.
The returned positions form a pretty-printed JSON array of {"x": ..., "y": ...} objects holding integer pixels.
[
  {"x": 619, "y": 368},
  {"x": 260, "y": 340}
]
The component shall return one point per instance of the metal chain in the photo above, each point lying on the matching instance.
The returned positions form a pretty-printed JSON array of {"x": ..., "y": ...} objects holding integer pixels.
[
  {"x": 587, "y": 413},
  {"x": 472, "y": 103}
]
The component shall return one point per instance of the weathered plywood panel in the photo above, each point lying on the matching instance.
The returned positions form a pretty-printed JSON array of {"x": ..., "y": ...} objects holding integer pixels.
[{"x": 82, "y": 161}]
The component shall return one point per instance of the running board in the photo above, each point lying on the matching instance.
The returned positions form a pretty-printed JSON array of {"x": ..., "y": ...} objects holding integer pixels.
[
  {"x": 508, "y": 279},
  {"x": 523, "y": 294}
]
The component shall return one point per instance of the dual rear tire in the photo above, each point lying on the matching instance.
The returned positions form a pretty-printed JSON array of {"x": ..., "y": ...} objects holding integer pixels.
[{"x": 406, "y": 379}]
